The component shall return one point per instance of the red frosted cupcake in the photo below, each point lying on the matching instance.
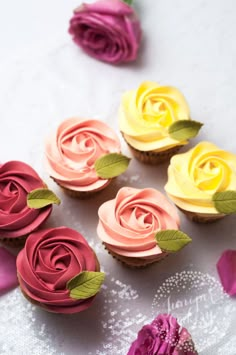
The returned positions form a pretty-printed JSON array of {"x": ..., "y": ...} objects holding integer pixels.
[
  {"x": 17, "y": 219},
  {"x": 58, "y": 271}
]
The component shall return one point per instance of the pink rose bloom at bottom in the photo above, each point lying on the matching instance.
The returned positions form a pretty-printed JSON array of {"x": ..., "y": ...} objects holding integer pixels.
[
  {"x": 108, "y": 30},
  {"x": 163, "y": 336}
]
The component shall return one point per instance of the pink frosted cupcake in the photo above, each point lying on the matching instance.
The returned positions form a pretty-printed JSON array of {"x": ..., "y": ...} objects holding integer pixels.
[
  {"x": 17, "y": 220},
  {"x": 73, "y": 152},
  {"x": 140, "y": 227},
  {"x": 58, "y": 271}
]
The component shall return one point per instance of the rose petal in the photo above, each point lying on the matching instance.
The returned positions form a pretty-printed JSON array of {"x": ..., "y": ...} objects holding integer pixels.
[
  {"x": 8, "y": 277},
  {"x": 226, "y": 267}
]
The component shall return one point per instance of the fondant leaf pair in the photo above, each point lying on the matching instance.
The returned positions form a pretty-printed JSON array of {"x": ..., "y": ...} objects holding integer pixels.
[
  {"x": 85, "y": 285},
  {"x": 172, "y": 241},
  {"x": 40, "y": 198}
]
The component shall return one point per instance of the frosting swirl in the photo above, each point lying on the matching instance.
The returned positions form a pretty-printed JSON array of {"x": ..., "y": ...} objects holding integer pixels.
[
  {"x": 72, "y": 152},
  {"x": 146, "y": 114},
  {"x": 128, "y": 224},
  {"x": 163, "y": 336},
  {"x": 17, "y": 179},
  {"x": 195, "y": 176},
  {"x": 48, "y": 261}
]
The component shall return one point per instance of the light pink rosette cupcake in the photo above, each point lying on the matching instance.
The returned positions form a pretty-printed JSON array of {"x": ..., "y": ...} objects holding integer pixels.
[
  {"x": 58, "y": 271},
  {"x": 17, "y": 220},
  {"x": 138, "y": 226},
  {"x": 73, "y": 151}
]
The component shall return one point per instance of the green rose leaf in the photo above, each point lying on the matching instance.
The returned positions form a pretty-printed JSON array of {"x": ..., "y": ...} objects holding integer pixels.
[
  {"x": 85, "y": 285},
  {"x": 40, "y": 198},
  {"x": 129, "y": 2},
  {"x": 184, "y": 129},
  {"x": 172, "y": 240},
  {"x": 225, "y": 202},
  {"x": 111, "y": 165}
]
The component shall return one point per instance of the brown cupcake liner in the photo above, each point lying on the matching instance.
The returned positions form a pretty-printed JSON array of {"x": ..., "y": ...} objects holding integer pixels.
[
  {"x": 83, "y": 195},
  {"x": 204, "y": 218},
  {"x": 42, "y": 305},
  {"x": 14, "y": 242},
  {"x": 152, "y": 157},
  {"x": 135, "y": 263}
]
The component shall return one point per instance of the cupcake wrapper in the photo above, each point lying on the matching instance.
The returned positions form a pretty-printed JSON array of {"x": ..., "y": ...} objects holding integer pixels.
[
  {"x": 152, "y": 157},
  {"x": 202, "y": 217},
  {"x": 83, "y": 195},
  {"x": 14, "y": 242},
  {"x": 135, "y": 263},
  {"x": 41, "y": 304}
]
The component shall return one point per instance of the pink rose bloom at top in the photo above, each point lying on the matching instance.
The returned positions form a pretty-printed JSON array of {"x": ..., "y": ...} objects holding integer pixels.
[
  {"x": 163, "y": 336},
  {"x": 108, "y": 30}
]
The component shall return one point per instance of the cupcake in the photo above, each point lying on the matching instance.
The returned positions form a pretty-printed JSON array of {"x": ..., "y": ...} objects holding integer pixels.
[
  {"x": 140, "y": 227},
  {"x": 58, "y": 271},
  {"x": 163, "y": 336},
  {"x": 202, "y": 182},
  {"x": 17, "y": 219},
  {"x": 83, "y": 156},
  {"x": 149, "y": 120}
]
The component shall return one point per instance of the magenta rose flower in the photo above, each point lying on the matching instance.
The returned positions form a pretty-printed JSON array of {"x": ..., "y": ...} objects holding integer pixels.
[
  {"x": 108, "y": 30},
  {"x": 163, "y": 336},
  {"x": 17, "y": 179}
]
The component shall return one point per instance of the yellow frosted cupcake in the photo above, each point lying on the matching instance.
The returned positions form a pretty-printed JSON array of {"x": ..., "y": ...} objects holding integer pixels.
[
  {"x": 149, "y": 120},
  {"x": 202, "y": 182}
]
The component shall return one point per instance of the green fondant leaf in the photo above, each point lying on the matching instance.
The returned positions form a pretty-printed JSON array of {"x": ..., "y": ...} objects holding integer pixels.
[
  {"x": 41, "y": 197},
  {"x": 184, "y": 129},
  {"x": 111, "y": 165},
  {"x": 86, "y": 284},
  {"x": 225, "y": 202},
  {"x": 172, "y": 240}
]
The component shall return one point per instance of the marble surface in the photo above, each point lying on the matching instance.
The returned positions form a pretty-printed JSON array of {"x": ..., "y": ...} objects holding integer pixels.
[{"x": 45, "y": 79}]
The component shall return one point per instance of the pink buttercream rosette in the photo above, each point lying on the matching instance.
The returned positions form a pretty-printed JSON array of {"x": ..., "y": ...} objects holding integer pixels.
[
  {"x": 72, "y": 151},
  {"x": 50, "y": 259},
  {"x": 17, "y": 220},
  {"x": 108, "y": 30},
  {"x": 128, "y": 225}
]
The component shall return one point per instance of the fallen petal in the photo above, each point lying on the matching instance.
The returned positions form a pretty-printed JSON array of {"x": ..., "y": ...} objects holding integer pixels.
[
  {"x": 8, "y": 276},
  {"x": 226, "y": 267}
]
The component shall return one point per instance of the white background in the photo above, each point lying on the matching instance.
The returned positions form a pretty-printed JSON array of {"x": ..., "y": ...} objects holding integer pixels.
[{"x": 44, "y": 79}]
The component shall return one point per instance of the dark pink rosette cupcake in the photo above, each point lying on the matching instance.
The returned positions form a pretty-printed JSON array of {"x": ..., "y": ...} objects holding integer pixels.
[
  {"x": 17, "y": 219},
  {"x": 163, "y": 336},
  {"x": 108, "y": 30},
  {"x": 58, "y": 270}
]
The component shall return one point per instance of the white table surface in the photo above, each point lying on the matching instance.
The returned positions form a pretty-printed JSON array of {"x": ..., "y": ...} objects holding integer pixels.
[{"x": 45, "y": 78}]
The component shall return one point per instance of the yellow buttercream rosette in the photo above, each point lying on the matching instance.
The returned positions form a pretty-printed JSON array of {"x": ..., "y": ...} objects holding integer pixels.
[
  {"x": 147, "y": 113},
  {"x": 194, "y": 177}
]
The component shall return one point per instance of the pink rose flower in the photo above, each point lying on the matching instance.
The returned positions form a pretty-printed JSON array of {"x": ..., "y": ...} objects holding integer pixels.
[
  {"x": 108, "y": 30},
  {"x": 17, "y": 179},
  {"x": 163, "y": 336},
  {"x": 8, "y": 278},
  {"x": 226, "y": 267}
]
